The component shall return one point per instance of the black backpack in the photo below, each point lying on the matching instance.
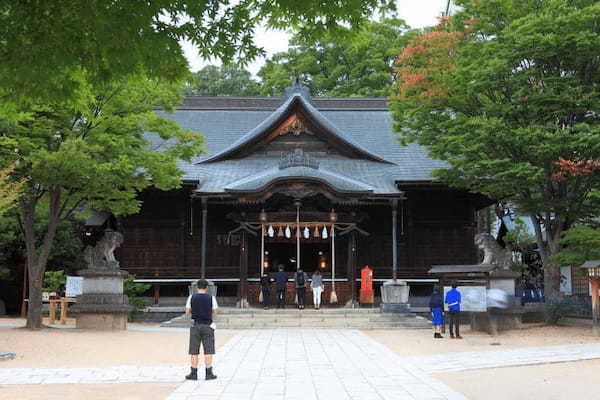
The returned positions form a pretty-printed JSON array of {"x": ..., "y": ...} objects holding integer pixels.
[{"x": 300, "y": 278}]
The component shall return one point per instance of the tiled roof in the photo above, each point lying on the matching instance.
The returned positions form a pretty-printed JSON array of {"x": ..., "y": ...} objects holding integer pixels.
[
  {"x": 368, "y": 129},
  {"x": 272, "y": 175}
]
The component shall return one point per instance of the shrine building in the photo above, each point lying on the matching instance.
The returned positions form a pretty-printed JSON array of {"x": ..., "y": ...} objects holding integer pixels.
[{"x": 311, "y": 183}]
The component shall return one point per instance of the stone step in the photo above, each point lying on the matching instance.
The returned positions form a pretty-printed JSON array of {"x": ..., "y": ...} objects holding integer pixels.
[{"x": 272, "y": 321}]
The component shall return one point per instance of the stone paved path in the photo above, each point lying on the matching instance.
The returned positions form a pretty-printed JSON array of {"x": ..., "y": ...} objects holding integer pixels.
[
  {"x": 505, "y": 358},
  {"x": 289, "y": 364}
]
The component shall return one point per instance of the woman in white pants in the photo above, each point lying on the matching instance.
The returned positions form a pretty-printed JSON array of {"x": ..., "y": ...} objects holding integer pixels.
[{"x": 317, "y": 288}]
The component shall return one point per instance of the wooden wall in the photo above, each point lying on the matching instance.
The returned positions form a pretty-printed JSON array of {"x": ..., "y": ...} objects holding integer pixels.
[{"x": 164, "y": 239}]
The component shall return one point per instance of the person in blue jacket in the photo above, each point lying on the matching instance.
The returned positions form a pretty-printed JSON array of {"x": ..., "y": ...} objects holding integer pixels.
[
  {"x": 453, "y": 302},
  {"x": 436, "y": 305}
]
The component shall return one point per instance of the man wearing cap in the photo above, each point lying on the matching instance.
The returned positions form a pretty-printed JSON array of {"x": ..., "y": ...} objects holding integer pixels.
[{"x": 202, "y": 306}]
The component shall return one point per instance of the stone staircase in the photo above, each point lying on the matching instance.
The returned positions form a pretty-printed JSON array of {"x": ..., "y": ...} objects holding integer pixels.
[{"x": 327, "y": 318}]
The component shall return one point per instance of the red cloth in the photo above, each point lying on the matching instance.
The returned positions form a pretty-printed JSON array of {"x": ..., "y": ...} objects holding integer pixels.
[{"x": 366, "y": 279}]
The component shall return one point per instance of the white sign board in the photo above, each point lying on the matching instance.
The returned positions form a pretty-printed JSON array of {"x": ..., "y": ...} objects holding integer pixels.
[
  {"x": 472, "y": 298},
  {"x": 565, "y": 281},
  {"x": 74, "y": 286}
]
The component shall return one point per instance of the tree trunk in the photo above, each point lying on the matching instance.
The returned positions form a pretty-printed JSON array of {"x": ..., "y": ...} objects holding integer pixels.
[
  {"x": 552, "y": 275},
  {"x": 547, "y": 248},
  {"x": 37, "y": 258},
  {"x": 34, "y": 311}
]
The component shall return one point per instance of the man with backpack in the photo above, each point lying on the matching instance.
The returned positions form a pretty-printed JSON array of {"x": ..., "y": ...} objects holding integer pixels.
[{"x": 301, "y": 279}]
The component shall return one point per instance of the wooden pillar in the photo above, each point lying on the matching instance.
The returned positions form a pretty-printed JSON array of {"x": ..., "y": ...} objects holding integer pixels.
[
  {"x": 243, "y": 270},
  {"x": 352, "y": 260},
  {"x": 394, "y": 239},
  {"x": 595, "y": 305},
  {"x": 156, "y": 293},
  {"x": 203, "y": 250}
]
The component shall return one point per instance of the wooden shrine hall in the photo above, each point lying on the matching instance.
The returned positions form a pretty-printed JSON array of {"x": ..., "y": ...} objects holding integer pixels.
[{"x": 311, "y": 183}]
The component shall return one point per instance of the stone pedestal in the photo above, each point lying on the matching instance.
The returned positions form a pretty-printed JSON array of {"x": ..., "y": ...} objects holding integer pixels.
[
  {"x": 394, "y": 297},
  {"x": 102, "y": 305}
]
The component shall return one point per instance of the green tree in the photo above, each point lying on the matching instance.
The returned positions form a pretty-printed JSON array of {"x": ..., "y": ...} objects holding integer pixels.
[
  {"x": 582, "y": 243},
  {"x": 350, "y": 63},
  {"x": 43, "y": 42},
  {"x": 228, "y": 80},
  {"x": 9, "y": 189},
  {"x": 93, "y": 153},
  {"x": 503, "y": 91}
]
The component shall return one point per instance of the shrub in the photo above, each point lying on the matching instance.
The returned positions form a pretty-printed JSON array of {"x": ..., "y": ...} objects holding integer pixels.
[
  {"x": 556, "y": 312},
  {"x": 133, "y": 291},
  {"x": 54, "y": 281}
]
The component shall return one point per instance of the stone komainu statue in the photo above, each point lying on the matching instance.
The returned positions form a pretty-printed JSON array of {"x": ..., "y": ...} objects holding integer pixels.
[
  {"x": 493, "y": 253},
  {"x": 102, "y": 255}
]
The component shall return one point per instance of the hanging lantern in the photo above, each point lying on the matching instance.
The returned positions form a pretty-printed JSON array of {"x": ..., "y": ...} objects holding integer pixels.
[
  {"x": 271, "y": 231},
  {"x": 333, "y": 216},
  {"x": 288, "y": 232},
  {"x": 316, "y": 232},
  {"x": 324, "y": 235},
  {"x": 262, "y": 216},
  {"x": 280, "y": 231},
  {"x": 306, "y": 232}
]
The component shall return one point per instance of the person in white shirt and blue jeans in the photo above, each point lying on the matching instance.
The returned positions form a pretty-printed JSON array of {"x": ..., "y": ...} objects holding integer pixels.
[{"x": 202, "y": 306}]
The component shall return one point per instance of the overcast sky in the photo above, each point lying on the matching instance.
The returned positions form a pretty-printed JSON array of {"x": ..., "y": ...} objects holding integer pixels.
[{"x": 416, "y": 13}]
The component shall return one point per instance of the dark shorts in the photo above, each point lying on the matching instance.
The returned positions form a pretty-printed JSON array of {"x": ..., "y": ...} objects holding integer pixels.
[{"x": 202, "y": 334}]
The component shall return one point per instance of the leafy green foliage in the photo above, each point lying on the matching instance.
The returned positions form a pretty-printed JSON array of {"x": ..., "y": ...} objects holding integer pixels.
[
  {"x": 93, "y": 152},
  {"x": 55, "y": 281},
  {"x": 43, "y": 42},
  {"x": 231, "y": 80},
  {"x": 350, "y": 63},
  {"x": 581, "y": 243},
  {"x": 134, "y": 291},
  {"x": 515, "y": 92},
  {"x": 9, "y": 189},
  {"x": 518, "y": 238}
]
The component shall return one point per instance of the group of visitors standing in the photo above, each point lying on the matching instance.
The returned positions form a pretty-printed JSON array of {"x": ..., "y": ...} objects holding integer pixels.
[
  {"x": 436, "y": 305},
  {"x": 300, "y": 282}
]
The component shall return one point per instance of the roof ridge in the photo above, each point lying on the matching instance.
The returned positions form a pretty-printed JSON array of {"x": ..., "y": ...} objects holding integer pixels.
[{"x": 277, "y": 117}]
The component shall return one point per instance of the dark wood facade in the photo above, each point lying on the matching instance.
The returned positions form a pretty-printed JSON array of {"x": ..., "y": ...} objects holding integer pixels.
[{"x": 268, "y": 159}]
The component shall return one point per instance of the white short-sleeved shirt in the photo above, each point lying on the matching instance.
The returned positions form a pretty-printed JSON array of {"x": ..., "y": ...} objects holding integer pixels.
[{"x": 215, "y": 305}]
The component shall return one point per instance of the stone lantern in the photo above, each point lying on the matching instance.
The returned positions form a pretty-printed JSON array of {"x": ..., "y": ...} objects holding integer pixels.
[{"x": 593, "y": 271}]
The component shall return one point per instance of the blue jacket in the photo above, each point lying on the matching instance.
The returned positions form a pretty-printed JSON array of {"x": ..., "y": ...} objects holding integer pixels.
[{"x": 453, "y": 296}]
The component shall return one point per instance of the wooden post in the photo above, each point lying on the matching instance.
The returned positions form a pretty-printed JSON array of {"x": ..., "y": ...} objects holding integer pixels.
[
  {"x": 156, "y": 293},
  {"x": 595, "y": 305},
  {"x": 394, "y": 239},
  {"x": 298, "y": 234},
  {"x": 203, "y": 253},
  {"x": 333, "y": 296},
  {"x": 352, "y": 265},
  {"x": 262, "y": 249},
  {"x": 244, "y": 270}
]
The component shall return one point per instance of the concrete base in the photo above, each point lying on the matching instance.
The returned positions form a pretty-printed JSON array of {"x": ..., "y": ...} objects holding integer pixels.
[
  {"x": 399, "y": 308},
  {"x": 242, "y": 303},
  {"x": 102, "y": 321},
  {"x": 493, "y": 322}
]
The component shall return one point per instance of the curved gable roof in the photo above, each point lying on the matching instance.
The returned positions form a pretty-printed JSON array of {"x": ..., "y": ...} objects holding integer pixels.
[
  {"x": 336, "y": 181},
  {"x": 278, "y": 116}
]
